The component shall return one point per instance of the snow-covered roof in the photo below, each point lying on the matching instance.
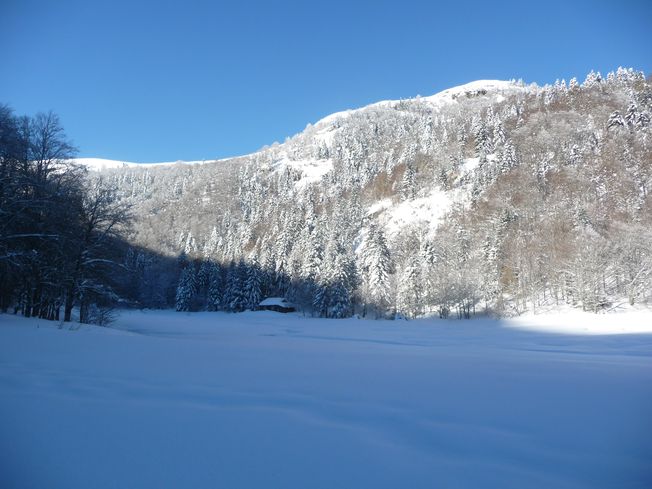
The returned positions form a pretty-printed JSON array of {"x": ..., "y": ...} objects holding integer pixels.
[{"x": 276, "y": 301}]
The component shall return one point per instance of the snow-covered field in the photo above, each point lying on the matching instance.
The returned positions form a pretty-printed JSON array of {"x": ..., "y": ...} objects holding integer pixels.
[{"x": 264, "y": 400}]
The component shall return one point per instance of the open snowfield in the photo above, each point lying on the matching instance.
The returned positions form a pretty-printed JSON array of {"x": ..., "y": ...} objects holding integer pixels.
[{"x": 263, "y": 400}]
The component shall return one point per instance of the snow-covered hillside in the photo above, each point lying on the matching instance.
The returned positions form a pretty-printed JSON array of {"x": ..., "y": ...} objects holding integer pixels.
[
  {"x": 494, "y": 90},
  {"x": 264, "y": 400},
  {"x": 428, "y": 209},
  {"x": 312, "y": 169},
  {"x": 494, "y": 194}
]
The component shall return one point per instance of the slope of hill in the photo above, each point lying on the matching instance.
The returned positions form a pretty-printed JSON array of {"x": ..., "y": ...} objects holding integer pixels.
[{"x": 493, "y": 195}]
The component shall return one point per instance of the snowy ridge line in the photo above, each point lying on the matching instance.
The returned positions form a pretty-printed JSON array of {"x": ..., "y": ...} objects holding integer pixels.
[
  {"x": 98, "y": 164},
  {"x": 440, "y": 99}
]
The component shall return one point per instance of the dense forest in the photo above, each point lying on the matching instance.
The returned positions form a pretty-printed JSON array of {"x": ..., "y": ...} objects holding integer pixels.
[{"x": 495, "y": 197}]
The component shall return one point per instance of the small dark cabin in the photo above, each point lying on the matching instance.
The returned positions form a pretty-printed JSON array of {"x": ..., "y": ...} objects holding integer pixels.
[{"x": 278, "y": 304}]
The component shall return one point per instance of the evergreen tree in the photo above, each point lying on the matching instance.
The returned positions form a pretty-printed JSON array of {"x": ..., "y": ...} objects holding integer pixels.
[
  {"x": 339, "y": 302},
  {"x": 508, "y": 157},
  {"x": 190, "y": 246},
  {"x": 334, "y": 291},
  {"x": 215, "y": 286},
  {"x": 211, "y": 244},
  {"x": 408, "y": 300},
  {"x": 592, "y": 79},
  {"x": 616, "y": 120},
  {"x": 408, "y": 184},
  {"x": 252, "y": 286},
  {"x": 573, "y": 85},
  {"x": 377, "y": 266},
  {"x": 481, "y": 135},
  {"x": 186, "y": 288},
  {"x": 311, "y": 257},
  {"x": 234, "y": 300},
  {"x": 499, "y": 134}
]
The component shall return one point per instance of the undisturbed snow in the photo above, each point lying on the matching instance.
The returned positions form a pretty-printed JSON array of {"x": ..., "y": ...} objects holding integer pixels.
[
  {"x": 97, "y": 164},
  {"x": 263, "y": 400}
]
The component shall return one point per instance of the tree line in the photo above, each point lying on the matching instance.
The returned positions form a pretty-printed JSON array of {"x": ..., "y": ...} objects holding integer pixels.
[{"x": 60, "y": 232}]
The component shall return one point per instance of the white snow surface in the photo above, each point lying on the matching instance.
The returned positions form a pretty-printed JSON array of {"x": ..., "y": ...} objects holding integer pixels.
[
  {"x": 265, "y": 400},
  {"x": 426, "y": 212},
  {"x": 97, "y": 164},
  {"x": 311, "y": 170},
  {"x": 493, "y": 88}
]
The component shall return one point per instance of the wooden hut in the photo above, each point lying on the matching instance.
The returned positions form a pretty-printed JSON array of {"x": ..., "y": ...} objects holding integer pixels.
[{"x": 278, "y": 304}]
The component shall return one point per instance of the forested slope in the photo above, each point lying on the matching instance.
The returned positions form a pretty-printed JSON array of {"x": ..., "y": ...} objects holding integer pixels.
[{"x": 495, "y": 195}]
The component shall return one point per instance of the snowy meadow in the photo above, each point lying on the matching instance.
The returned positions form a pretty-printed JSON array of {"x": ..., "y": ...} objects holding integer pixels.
[{"x": 260, "y": 399}]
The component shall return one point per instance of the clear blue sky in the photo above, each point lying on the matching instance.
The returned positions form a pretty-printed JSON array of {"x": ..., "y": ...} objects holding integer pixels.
[{"x": 167, "y": 80}]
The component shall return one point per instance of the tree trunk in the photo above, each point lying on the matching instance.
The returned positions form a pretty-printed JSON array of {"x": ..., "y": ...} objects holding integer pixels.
[
  {"x": 83, "y": 311},
  {"x": 70, "y": 301}
]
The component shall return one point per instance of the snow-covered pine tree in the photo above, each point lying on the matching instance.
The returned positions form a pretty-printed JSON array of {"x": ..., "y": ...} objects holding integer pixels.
[
  {"x": 340, "y": 301},
  {"x": 632, "y": 115},
  {"x": 499, "y": 136},
  {"x": 508, "y": 157},
  {"x": 210, "y": 247},
  {"x": 190, "y": 246},
  {"x": 186, "y": 288},
  {"x": 481, "y": 135},
  {"x": 333, "y": 295},
  {"x": 252, "y": 293},
  {"x": 233, "y": 297},
  {"x": 408, "y": 300},
  {"x": 573, "y": 86},
  {"x": 408, "y": 184},
  {"x": 377, "y": 265},
  {"x": 616, "y": 120},
  {"x": 592, "y": 79},
  {"x": 311, "y": 256},
  {"x": 215, "y": 287}
]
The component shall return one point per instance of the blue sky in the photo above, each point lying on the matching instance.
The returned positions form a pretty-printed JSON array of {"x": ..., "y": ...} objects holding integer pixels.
[{"x": 161, "y": 81}]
